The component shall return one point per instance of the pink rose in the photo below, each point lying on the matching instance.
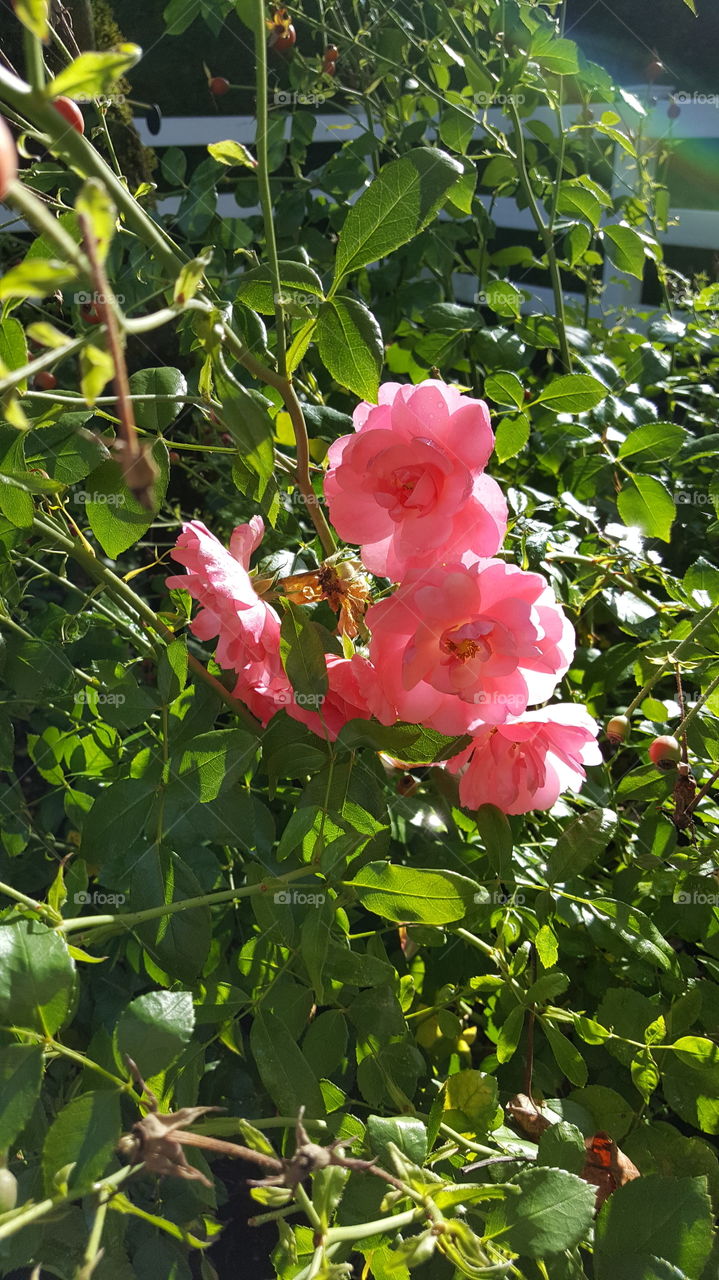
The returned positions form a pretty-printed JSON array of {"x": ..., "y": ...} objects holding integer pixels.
[
  {"x": 462, "y": 645},
  {"x": 527, "y": 763},
  {"x": 247, "y": 627},
  {"x": 343, "y": 701},
  {"x": 409, "y": 484}
]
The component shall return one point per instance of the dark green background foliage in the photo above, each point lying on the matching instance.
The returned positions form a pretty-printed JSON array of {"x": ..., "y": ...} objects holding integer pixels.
[{"x": 263, "y": 921}]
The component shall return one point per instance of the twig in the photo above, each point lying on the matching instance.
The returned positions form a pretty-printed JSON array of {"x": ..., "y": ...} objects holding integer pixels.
[{"x": 138, "y": 468}]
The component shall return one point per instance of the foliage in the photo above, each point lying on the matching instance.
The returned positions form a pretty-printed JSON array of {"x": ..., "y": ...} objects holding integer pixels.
[{"x": 262, "y": 920}]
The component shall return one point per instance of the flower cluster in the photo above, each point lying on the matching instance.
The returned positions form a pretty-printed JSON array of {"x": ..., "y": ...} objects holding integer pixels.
[{"x": 464, "y": 644}]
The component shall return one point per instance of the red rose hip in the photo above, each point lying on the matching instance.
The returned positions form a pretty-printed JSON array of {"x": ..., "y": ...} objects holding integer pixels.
[
  {"x": 665, "y": 752},
  {"x": 617, "y": 729},
  {"x": 8, "y": 159},
  {"x": 70, "y": 111}
]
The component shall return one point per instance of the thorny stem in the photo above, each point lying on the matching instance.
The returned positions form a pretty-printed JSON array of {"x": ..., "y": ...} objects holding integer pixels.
[
  {"x": 130, "y": 919},
  {"x": 31, "y": 1213},
  {"x": 36, "y": 212},
  {"x": 263, "y": 180},
  {"x": 690, "y": 715},
  {"x": 546, "y": 237},
  {"x": 138, "y": 469},
  {"x": 94, "y": 1251}
]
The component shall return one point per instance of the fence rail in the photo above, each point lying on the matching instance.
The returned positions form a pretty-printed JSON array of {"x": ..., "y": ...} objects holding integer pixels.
[{"x": 690, "y": 228}]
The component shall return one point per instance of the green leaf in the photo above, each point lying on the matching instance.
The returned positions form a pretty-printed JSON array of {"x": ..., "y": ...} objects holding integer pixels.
[
  {"x": 34, "y": 15},
  {"x": 21, "y": 1068},
  {"x": 505, "y": 388},
  {"x": 284, "y": 1070},
  {"x": 580, "y": 844},
  {"x": 653, "y": 442},
  {"x": 626, "y": 249},
  {"x": 691, "y": 4},
  {"x": 35, "y": 278},
  {"x": 553, "y": 1212},
  {"x": 476, "y": 1096},
  {"x": 178, "y": 943},
  {"x": 114, "y": 515},
  {"x": 314, "y": 941},
  {"x": 547, "y": 946},
  {"x": 303, "y": 656},
  {"x": 690, "y": 1077},
  {"x": 298, "y": 284},
  {"x": 153, "y": 415},
  {"x": 410, "y": 743},
  {"x": 180, "y": 14},
  {"x": 644, "y": 503},
  {"x": 574, "y": 393},
  {"x": 85, "y": 1134},
  {"x": 566, "y": 1055},
  {"x": 554, "y": 53},
  {"x": 410, "y": 895},
  {"x": 37, "y": 977},
  {"x": 652, "y": 1217},
  {"x": 350, "y": 346},
  {"x": 245, "y": 416},
  {"x": 154, "y": 1029},
  {"x": 232, "y": 153},
  {"x": 13, "y": 347},
  {"x": 636, "y": 930},
  {"x": 574, "y": 198},
  {"x": 496, "y": 833},
  {"x": 510, "y": 1034},
  {"x": 561, "y": 1146},
  {"x": 172, "y": 671},
  {"x": 190, "y": 276},
  {"x": 93, "y": 74},
  {"x": 511, "y": 436},
  {"x": 399, "y": 204},
  {"x": 407, "y": 1134}
]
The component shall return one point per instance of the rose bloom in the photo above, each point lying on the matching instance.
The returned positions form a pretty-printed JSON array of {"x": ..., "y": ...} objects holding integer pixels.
[
  {"x": 527, "y": 763},
  {"x": 409, "y": 484},
  {"x": 248, "y": 628},
  {"x": 462, "y": 645},
  {"x": 344, "y": 700}
]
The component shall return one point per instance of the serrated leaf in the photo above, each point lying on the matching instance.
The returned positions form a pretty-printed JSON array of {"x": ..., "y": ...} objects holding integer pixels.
[
  {"x": 644, "y": 503},
  {"x": 397, "y": 205},
  {"x": 626, "y": 249},
  {"x": 114, "y": 515},
  {"x": 231, "y": 153},
  {"x": 412, "y": 895},
  {"x": 349, "y": 342},
  {"x": 94, "y": 73},
  {"x": 573, "y": 393}
]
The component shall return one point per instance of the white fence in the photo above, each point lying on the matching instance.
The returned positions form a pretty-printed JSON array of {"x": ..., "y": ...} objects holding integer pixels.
[{"x": 691, "y": 228}]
